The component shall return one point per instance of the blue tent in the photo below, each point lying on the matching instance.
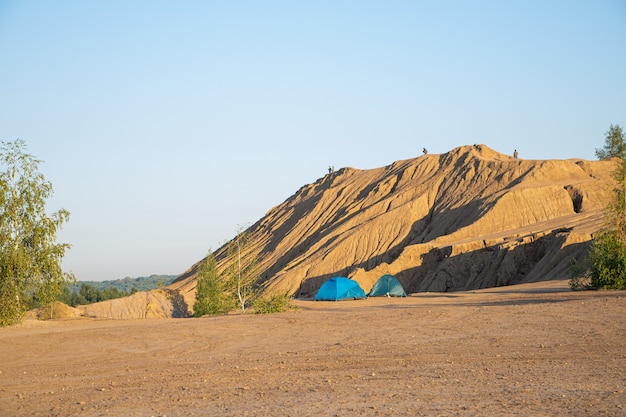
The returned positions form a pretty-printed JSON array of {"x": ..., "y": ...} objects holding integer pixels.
[
  {"x": 387, "y": 285},
  {"x": 340, "y": 288}
]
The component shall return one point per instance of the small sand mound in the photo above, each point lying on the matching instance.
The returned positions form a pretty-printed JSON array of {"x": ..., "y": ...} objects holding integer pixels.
[
  {"x": 161, "y": 303},
  {"x": 55, "y": 310}
]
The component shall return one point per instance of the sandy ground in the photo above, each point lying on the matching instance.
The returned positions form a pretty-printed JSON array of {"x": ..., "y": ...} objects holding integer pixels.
[{"x": 516, "y": 351}]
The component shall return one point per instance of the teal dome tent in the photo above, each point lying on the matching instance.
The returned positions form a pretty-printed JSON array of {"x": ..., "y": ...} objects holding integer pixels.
[
  {"x": 387, "y": 285},
  {"x": 340, "y": 288}
]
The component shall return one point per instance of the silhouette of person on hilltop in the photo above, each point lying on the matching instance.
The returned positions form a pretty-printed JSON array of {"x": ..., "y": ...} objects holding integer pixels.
[
  {"x": 425, "y": 151},
  {"x": 515, "y": 154}
]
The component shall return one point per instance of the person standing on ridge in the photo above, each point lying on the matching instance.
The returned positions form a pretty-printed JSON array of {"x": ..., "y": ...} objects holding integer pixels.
[{"x": 515, "y": 154}]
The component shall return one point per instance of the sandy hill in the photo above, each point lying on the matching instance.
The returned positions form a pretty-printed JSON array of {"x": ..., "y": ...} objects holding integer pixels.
[{"x": 467, "y": 219}]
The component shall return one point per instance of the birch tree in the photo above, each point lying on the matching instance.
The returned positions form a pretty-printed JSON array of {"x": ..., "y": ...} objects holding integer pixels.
[
  {"x": 242, "y": 272},
  {"x": 30, "y": 257}
]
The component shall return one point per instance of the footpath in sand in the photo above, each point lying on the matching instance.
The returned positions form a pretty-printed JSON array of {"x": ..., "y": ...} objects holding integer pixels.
[{"x": 533, "y": 349}]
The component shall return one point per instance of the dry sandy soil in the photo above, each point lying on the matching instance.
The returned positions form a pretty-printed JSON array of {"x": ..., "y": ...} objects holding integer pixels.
[{"x": 532, "y": 349}]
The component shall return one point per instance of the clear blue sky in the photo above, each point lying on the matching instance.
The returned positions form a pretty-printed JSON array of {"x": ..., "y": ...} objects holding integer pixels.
[{"x": 163, "y": 125}]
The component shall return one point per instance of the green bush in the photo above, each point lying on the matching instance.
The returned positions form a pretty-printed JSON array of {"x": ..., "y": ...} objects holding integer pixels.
[
  {"x": 272, "y": 303},
  {"x": 580, "y": 276},
  {"x": 608, "y": 262}
]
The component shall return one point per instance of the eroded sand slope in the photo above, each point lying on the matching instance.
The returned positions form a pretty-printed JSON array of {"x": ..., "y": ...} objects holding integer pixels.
[
  {"x": 467, "y": 219},
  {"x": 470, "y": 218}
]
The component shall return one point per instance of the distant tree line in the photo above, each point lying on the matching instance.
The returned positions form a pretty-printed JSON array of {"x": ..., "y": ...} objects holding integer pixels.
[
  {"x": 128, "y": 284},
  {"x": 89, "y": 292}
]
